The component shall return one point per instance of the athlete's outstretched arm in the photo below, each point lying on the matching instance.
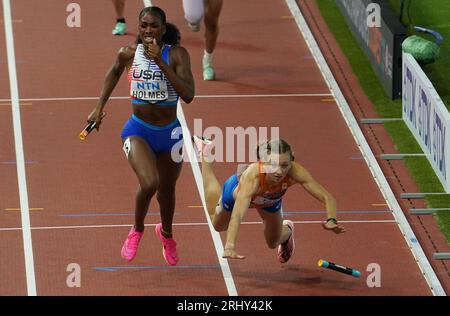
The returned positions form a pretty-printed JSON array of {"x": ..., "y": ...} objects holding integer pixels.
[
  {"x": 248, "y": 187},
  {"x": 302, "y": 176},
  {"x": 124, "y": 56}
]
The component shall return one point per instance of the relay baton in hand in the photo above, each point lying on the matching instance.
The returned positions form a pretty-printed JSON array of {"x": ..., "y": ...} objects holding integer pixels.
[{"x": 91, "y": 125}]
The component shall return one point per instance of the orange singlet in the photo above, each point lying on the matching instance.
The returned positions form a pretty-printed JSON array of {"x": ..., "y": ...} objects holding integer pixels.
[{"x": 269, "y": 197}]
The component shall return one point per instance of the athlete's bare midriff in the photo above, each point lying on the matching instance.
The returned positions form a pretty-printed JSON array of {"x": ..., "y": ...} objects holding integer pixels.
[{"x": 155, "y": 114}]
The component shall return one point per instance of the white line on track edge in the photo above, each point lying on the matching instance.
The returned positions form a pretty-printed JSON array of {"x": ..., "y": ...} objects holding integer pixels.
[
  {"x": 228, "y": 278},
  {"x": 407, "y": 232},
  {"x": 21, "y": 175}
]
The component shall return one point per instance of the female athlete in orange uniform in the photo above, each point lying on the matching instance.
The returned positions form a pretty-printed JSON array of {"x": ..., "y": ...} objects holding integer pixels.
[{"x": 261, "y": 186}]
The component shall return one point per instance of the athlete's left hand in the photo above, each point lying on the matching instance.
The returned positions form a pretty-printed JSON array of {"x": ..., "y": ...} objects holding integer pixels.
[
  {"x": 154, "y": 51},
  {"x": 330, "y": 225}
]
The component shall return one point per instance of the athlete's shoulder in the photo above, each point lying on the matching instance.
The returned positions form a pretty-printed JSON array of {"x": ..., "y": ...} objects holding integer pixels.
[
  {"x": 127, "y": 52},
  {"x": 179, "y": 52},
  {"x": 298, "y": 173},
  {"x": 178, "y": 49},
  {"x": 251, "y": 174},
  {"x": 253, "y": 169}
]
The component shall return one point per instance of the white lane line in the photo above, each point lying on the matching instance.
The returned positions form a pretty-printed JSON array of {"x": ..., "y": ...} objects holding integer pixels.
[
  {"x": 21, "y": 176},
  {"x": 388, "y": 221},
  {"x": 226, "y": 271},
  {"x": 410, "y": 238},
  {"x": 225, "y": 268},
  {"x": 206, "y": 96}
]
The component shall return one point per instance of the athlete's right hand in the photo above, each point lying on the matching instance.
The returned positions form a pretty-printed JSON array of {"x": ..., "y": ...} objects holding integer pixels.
[
  {"x": 231, "y": 254},
  {"x": 153, "y": 50},
  {"x": 96, "y": 116}
]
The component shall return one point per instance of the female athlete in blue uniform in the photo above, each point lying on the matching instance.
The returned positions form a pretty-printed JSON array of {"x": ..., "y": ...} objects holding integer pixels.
[
  {"x": 158, "y": 75},
  {"x": 261, "y": 186}
]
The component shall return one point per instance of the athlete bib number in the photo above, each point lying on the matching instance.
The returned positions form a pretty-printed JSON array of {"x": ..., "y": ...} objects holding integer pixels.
[{"x": 155, "y": 90}]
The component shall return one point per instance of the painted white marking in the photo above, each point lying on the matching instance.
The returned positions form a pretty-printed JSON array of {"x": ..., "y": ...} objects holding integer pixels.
[
  {"x": 226, "y": 272},
  {"x": 206, "y": 96},
  {"x": 231, "y": 287},
  {"x": 185, "y": 224},
  {"x": 405, "y": 228},
  {"x": 20, "y": 159}
]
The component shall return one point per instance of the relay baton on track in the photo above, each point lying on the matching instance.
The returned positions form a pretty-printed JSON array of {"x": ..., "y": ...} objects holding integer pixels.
[
  {"x": 91, "y": 125},
  {"x": 336, "y": 267}
]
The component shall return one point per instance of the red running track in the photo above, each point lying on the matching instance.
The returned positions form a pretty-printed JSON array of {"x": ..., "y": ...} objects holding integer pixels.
[{"x": 81, "y": 194}]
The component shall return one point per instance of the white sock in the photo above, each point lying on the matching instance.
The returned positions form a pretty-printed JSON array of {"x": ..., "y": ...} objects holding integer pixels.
[{"x": 207, "y": 59}]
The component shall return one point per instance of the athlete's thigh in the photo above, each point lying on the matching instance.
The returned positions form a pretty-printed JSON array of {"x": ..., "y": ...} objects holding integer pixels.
[
  {"x": 140, "y": 157},
  {"x": 168, "y": 169},
  {"x": 193, "y": 10},
  {"x": 221, "y": 217},
  {"x": 212, "y": 9}
]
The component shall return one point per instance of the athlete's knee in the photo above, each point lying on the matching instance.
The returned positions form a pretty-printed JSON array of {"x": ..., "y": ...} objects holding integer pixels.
[
  {"x": 149, "y": 185},
  {"x": 166, "y": 190},
  {"x": 193, "y": 18},
  {"x": 220, "y": 223},
  {"x": 218, "y": 227},
  {"x": 211, "y": 192}
]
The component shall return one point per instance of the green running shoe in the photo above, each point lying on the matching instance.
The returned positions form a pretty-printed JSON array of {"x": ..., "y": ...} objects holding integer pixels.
[
  {"x": 208, "y": 73},
  {"x": 120, "y": 29}
]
